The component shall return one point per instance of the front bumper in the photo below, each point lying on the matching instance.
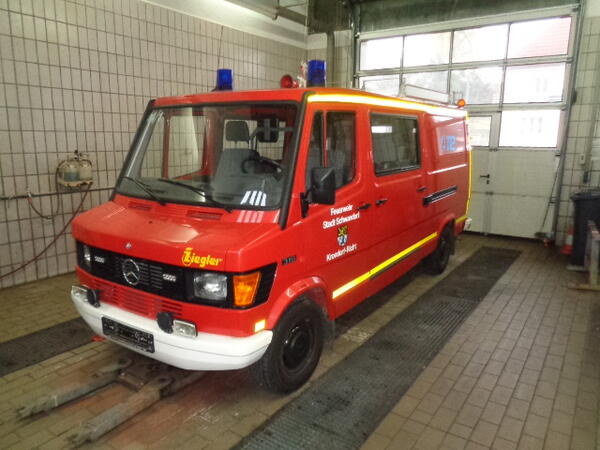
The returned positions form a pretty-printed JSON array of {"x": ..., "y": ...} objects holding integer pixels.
[{"x": 206, "y": 351}]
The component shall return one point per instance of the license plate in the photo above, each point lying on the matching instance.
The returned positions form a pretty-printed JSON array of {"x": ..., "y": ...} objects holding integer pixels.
[{"x": 123, "y": 333}]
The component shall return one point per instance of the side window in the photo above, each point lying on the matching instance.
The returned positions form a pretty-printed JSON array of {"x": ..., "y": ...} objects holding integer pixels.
[
  {"x": 315, "y": 147},
  {"x": 395, "y": 143},
  {"x": 341, "y": 143}
]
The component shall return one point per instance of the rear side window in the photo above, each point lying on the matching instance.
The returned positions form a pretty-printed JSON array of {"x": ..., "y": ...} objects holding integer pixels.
[{"x": 395, "y": 143}]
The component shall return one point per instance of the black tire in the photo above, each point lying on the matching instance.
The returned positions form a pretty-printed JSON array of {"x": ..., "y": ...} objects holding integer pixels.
[
  {"x": 294, "y": 352},
  {"x": 437, "y": 262}
]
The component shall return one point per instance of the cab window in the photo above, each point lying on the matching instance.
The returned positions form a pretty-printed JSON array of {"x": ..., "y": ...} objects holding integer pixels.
[
  {"x": 315, "y": 147},
  {"x": 337, "y": 150},
  {"x": 395, "y": 142},
  {"x": 340, "y": 146}
]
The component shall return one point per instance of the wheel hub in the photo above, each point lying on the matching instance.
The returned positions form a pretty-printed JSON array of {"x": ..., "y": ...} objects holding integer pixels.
[{"x": 297, "y": 345}]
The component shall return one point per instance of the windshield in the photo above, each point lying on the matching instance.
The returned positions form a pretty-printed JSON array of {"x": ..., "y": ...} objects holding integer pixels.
[{"x": 228, "y": 156}]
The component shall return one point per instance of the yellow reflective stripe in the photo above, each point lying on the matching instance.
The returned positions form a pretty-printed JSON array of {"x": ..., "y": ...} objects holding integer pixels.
[
  {"x": 345, "y": 288},
  {"x": 386, "y": 102},
  {"x": 384, "y": 265},
  {"x": 470, "y": 186},
  {"x": 461, "y": 219}
]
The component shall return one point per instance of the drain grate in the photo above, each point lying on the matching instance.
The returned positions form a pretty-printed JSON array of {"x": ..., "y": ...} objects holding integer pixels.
[
  {"x": 346, "y": 404},
  {"x": 41, "y": 345}
]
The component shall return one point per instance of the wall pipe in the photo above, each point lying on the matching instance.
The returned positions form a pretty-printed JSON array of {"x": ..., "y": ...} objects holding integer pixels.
[
  {"x": 330, "y": 58},
  {"x": 571, "y": 100}
]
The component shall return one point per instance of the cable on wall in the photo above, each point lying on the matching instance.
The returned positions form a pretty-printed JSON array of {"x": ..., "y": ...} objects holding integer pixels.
[
  {"x": 52, "y": 215},
  {"x": 36, "y": 257}
]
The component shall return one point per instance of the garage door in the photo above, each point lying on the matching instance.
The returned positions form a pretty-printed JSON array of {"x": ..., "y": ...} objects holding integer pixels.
[{"x": 514, "y": 77}]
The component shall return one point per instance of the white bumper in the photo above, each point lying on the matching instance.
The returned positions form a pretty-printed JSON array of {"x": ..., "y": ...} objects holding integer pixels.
[{"x": 204, "y": 352}]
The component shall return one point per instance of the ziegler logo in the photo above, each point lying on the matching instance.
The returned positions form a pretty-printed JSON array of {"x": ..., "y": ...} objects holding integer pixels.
[{"x": 189, "y": 258}]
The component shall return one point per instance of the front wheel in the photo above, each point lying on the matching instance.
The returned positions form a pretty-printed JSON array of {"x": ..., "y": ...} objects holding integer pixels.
[
  {"x": 294, "y": 351},
  {"x": 438, "y": 261}
]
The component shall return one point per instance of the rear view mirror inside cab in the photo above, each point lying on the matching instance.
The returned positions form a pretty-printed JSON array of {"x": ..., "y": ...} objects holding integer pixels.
[{"x": 268, "y": 130}]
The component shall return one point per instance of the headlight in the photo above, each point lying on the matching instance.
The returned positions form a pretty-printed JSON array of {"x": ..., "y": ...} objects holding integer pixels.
[
  {"x": 184, "y": 328},
  {"x": 87, "y": 256},
  {"x": 211, "y": 286}
]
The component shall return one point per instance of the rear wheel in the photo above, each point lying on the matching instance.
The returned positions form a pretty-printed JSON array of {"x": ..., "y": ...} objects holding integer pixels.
[
  {"x": 294, "y": 351},
  {"x": 438, "y": 261}
]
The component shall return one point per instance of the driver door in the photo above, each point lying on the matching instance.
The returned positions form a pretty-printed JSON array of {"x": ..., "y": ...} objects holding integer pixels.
[{"x": 336, "y": 237}]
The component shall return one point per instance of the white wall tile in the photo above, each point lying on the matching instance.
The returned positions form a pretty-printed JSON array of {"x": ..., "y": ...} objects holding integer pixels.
[{"x": 78, "y": 74}]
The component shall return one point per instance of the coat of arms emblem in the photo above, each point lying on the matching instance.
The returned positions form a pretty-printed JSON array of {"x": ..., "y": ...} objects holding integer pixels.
[{"x": 342, "y": 235}]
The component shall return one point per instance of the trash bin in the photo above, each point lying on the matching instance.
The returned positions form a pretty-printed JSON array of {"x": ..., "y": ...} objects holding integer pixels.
[{"x": 587, "y": 207}]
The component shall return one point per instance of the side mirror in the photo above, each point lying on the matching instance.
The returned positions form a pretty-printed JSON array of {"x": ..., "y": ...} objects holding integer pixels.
[
  {"x": 322, "y": 180},
  {"x": 322, "y": 188}
]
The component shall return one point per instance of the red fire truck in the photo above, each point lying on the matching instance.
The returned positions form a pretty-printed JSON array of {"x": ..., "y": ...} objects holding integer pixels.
[{"x": 243, "y": 223}]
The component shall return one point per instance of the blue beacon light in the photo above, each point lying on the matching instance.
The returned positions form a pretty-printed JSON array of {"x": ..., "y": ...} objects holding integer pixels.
[
  {"x": 316, "y": 73},
  {"x": 224, "y": 80}
]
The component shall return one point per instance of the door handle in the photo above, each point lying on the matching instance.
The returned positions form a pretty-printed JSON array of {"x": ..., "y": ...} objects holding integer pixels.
[
  {"x": 364, "y": 206},
  {"x": 422, "y": 189},
  {"x": 381, "y": 201},
  {"x": 487, "y": 175}
]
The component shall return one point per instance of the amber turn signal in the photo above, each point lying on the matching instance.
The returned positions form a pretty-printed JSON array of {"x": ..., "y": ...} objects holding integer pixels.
[{"x": 244, "y": 288}]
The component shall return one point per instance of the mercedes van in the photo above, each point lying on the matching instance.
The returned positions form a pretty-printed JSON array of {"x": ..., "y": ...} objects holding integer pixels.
[{"x": 243, "y": 223}]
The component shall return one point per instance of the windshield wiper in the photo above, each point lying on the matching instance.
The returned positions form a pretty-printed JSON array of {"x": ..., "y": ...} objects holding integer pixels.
[
  {"x": 144, "y": 187},
  {"x": 197, "y": 190}
]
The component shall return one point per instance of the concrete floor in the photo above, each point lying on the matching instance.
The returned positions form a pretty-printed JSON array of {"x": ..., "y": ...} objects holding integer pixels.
[{"x": 523, "y": 371}]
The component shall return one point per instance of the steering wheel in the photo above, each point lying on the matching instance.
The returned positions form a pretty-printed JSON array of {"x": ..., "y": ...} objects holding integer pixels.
[{"x": 262, "y": 160}]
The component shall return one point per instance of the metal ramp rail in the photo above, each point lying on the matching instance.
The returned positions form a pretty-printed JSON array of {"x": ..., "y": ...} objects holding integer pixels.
[{"x": 149, "y": 381}]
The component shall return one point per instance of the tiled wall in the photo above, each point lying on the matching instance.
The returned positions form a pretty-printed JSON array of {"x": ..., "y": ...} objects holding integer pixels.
[
  {"x": 77, "y": 75},
  {"x": 581, "y": 122}
]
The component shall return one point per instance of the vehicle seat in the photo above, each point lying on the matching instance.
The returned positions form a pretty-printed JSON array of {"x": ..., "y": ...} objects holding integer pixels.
[
  {"x": 315, "y": 159},
  {"x": 237, "y": 131},
  {"x": 230, "y": 179},
  {"x": 385, "y": 155},
  {"x": 338, "y": 162}
]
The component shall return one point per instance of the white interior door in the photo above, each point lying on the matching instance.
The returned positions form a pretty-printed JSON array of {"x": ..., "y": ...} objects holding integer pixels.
[
  {"x": 512, "y": 186},
  {"x": 483, "y": 136},
  {"x": 479, "y": 210},
  {"x": 522, "y": 183}
]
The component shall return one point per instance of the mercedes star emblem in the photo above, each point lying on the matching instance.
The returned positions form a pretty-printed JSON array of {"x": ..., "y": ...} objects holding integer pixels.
[
  {"x": 128, "y": 245},
  {"x": 131, "y": 272}
]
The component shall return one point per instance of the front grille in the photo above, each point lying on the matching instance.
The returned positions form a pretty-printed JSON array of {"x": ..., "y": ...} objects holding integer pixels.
[
  {"x": 150, "y": 274},
  {"x": 136, "y": 301}
]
